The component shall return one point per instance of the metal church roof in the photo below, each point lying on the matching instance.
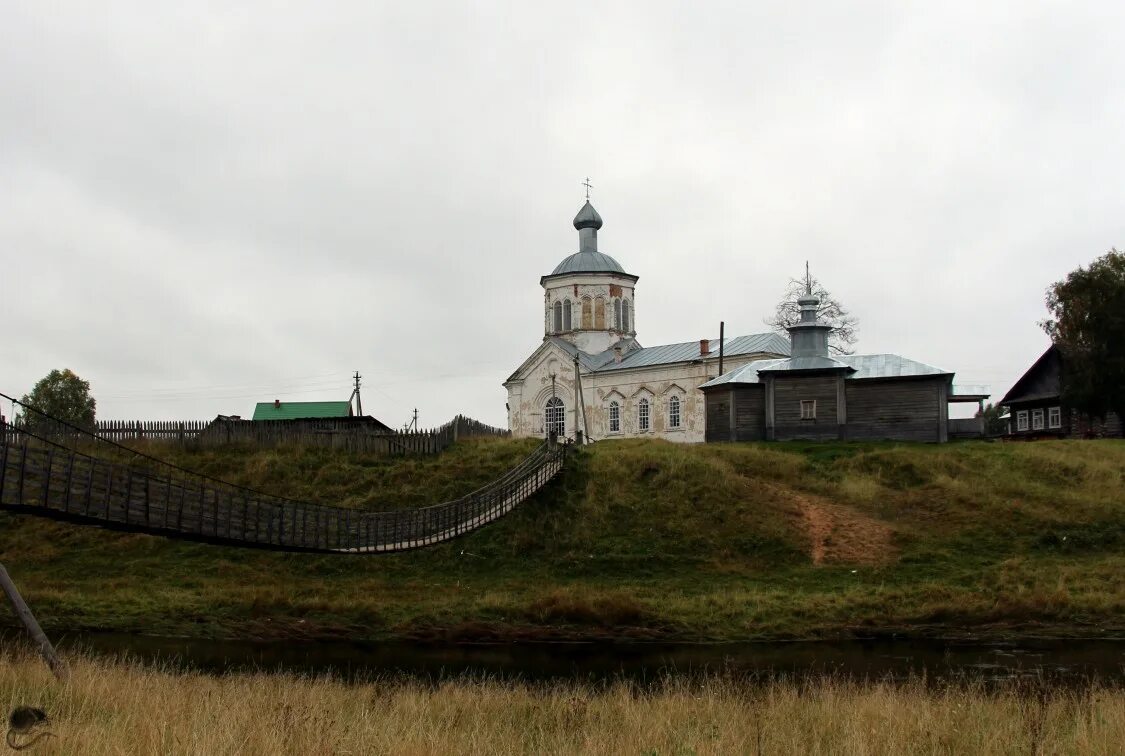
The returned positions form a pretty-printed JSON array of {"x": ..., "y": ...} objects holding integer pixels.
[
  {"x": 588, "y": 262},
  {"x": 755, "y": 343},
  {"x": 865, "y": 366},
  {"x": 587, "y": 217}
]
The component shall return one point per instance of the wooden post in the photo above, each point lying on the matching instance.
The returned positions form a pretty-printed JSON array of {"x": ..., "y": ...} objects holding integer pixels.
[{"x": 42, "y": 643}]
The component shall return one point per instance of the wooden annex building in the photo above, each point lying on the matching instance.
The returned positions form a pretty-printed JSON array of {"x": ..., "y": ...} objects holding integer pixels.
[
  {"x": 1036, "y": 408},
  {"x": 810, "y": 395}
]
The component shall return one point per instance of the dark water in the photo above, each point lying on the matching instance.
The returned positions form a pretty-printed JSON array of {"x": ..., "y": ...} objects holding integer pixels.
[{"x": 1060, "y": 662}]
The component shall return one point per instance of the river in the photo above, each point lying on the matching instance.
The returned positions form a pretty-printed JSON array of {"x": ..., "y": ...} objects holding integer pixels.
[{"x": 1063, "y": 662}]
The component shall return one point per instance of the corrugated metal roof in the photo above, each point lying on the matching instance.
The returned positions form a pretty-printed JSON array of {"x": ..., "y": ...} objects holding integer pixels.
[
  {"x": 588, "y": 262},
  {"x": 755, "y": 343},
  {"x": 815, "y": 362},
  {"x": 300, "y": 410},
  {"x": 745, "y": 374},
  {"x": 888, "y": 366},
  {"x": 865, "y": 366}
]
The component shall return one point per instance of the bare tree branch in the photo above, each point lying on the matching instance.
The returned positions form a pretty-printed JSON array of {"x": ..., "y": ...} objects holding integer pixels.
[{"x": 845, "y": 326}]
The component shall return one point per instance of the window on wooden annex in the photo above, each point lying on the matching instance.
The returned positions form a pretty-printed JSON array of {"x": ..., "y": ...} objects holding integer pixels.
[
  {"x": 566, "y": 315},
  {"x": 643, "y": 415},
  {"x": 614, "y": 417},
  {"x": 1037, "y": 419},
  {"x": 1054, "y": 417},
  {"x": 808, "y": 409},
  {"x": 558, "y": 318},
  {"x": 554, "y": 416},
  {"x": 1021, "y": 420},
  {"x": 674, "y": 412}
]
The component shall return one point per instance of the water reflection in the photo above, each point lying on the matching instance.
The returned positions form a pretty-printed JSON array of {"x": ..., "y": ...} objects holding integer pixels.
[{"x": 1056, "y": 661}]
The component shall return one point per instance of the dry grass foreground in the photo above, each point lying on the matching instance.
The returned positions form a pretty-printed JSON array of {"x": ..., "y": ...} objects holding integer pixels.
[{"x": 124, "y": 708}]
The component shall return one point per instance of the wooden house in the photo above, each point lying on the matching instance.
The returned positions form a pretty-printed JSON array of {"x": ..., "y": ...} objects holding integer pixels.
[
  {"x": 810, "y": 395},
  {"x": 1036, "y": 408}
]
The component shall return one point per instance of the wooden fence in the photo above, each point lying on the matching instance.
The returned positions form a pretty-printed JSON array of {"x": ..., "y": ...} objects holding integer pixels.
[
  {"x": 353, "y": 434},
  {"x": 47, "y": 479}
]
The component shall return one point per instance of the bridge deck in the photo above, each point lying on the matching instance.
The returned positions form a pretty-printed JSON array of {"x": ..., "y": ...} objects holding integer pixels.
[{"x": 53, "y": 481}]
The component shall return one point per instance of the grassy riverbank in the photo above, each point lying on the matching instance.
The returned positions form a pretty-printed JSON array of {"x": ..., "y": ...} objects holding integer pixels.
[
  {"x": 112, "y": 707},
  {"x": 639, "y": 540}
]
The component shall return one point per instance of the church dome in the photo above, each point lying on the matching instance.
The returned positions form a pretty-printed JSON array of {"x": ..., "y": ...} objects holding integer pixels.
[
  {"x": 587, "y": 217},
  {"x": 588, "y": 262},
  {"x": 588, "y": 259}
]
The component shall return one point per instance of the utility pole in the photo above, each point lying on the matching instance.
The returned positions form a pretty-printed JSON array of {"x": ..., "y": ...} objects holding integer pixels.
[
  {"x": 581, "y": 401},
  {"x": 355, "y": 393}
]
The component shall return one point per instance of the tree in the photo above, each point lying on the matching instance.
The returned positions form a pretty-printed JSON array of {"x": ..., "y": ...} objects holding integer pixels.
[
  {"x": 62, "y": 395},
  {"x": 1087, "y": 324},
  {"x": 845, "y": 326},
  {"x": 995, "y": 419}
]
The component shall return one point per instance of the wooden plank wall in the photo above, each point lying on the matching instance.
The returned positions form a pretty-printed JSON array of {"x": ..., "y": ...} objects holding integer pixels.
[
  {"x": 905, "y": 410},
  {"x": 788, "y": 393},
  {"x": 750, "y": 413}
]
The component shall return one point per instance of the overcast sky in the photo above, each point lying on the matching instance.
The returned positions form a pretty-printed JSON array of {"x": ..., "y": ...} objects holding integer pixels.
[{"x": 207, "y": 205}]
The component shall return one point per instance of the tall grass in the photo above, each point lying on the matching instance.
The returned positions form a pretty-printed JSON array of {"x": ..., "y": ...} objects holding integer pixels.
[{"x": 126, "y": 708}]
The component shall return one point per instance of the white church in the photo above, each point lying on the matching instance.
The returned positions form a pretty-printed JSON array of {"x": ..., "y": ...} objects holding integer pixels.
[{"x": 591, "y": 375}]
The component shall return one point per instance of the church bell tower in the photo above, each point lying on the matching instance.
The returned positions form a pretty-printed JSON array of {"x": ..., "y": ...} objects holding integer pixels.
[{"x": 589, "y": 299}]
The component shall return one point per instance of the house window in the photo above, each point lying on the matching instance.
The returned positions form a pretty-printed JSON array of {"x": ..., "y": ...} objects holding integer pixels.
[
  {"x": 674, "y": 412},
  {"x": 614, "y": 417},
  {"x": 808, "y": 409},
  {"x": 566, "y": 315},
  {"x": 1037, "y": 419},
  {"x": 642, "y": 415},
  {"x": 554, "y": 415},
  {"x": 1021, "y": 420},
  {"x": 558, "y": 317},
  {"x": 1054, "y": 417}
]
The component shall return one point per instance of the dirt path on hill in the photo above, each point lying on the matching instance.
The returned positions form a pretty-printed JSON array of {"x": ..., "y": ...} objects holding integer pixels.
[{"x": 836, "y": 533}]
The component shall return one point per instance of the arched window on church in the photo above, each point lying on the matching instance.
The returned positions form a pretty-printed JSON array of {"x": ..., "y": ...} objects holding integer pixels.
[
  {"x": 617, "y": 313},
  {"x": 566, "y": 315},
  {"x": 625, "y": 316},
  {"x": 558, "y": 317},
  {"x": 614, "y": 417},
  {"x": 643, "y": 416},
  {"x": 599, "y": 313},
  {"x": 674, "y": 412},
  {"x": 587, "y": 313},
  {"x": 554, "y": 416}
]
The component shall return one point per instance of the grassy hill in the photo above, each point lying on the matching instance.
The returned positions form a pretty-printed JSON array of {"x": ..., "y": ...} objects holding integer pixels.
[{"x": 639, "y": 540}]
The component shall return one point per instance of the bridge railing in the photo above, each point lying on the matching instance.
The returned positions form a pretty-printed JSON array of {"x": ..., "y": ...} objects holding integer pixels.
[{"x": 44, "y": 476}]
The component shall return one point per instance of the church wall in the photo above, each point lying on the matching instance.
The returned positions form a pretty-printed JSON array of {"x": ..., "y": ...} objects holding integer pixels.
[
  {"x": 742, "y": 404},
  {"x": 906, "y": 410},
  {"x": 658, "y": 384},
  {"x": 717, "y": 408},
  {"x": 750, "y": 413},
  {"x": 527, "y": 398},
  {"x": 593, "y": 326},
  {"x": 788, "y": 393}
]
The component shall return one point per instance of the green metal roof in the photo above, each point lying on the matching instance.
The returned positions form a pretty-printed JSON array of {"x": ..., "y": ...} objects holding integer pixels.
[{"x": 300, "y": 410}]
